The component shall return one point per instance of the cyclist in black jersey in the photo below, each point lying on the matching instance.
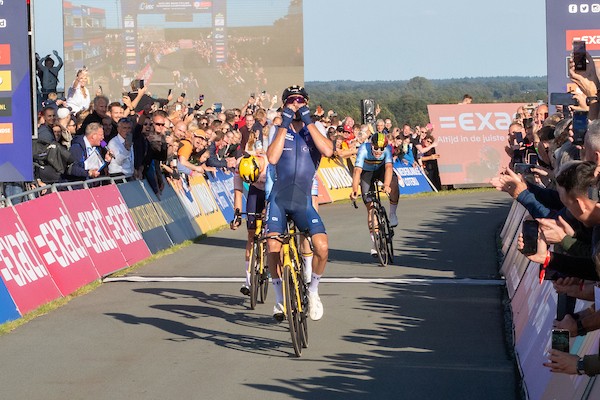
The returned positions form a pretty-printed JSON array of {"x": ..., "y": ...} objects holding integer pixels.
[{"x": 296, "y": 153}]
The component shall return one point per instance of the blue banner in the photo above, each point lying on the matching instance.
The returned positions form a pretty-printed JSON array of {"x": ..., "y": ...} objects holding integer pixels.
[
  {"x": 16, "y": 126},
  {"x": 221, "y": 185},
  {"x": 411, "y": 180},
  {"x": 8, "y": 310},
  {"x": 149, "y": 222}
]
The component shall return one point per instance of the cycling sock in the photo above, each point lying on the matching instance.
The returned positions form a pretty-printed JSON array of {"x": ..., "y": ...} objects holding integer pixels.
[
  {"x": 372, "y": 237},
  {"x": 314, "y": 283},
  {"x": 393, "y": 208},
  {"x": 278, "y": 290},
  {"x": 308, "y": 259},
  {"x": 247, "y": 274}
]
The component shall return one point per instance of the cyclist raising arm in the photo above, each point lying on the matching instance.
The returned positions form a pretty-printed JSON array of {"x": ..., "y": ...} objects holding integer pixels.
[
  {"x": 296, "y": 153},
  {"x": 374, "y": 162}
]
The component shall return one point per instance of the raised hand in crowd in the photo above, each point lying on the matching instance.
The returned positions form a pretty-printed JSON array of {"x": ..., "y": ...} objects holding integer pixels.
[
  {"x": 559, "y": 361},
  {"x": 509, "y": 182},
  {"x": 574, "y": 287},
  {"x": 542, "y": 249},
  {"x": 554, "y": 231}
]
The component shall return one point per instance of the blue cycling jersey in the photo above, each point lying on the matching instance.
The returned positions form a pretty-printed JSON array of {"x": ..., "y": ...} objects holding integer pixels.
[
  {"x": 298, "y": 163},
  {"x": 291, "y": 192},
  {"x": 368, "y": 162}
]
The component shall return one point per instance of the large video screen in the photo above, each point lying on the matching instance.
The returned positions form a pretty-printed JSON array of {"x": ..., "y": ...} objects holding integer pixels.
[{"x": 222, "y": 49}]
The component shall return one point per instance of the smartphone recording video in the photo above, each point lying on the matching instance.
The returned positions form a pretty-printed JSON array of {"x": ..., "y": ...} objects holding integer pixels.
[
  {"x": 580, "y": 126},
  {"x": 563, "y": 99},
  {"x": 530, "y": 229},
  {"x": 560, "y": 340},
  {"x": 579, "y": 55},
  {"x": 519, "y": 137}
]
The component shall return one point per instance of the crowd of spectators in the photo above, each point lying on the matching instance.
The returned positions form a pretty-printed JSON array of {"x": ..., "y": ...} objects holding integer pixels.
[
  {"x": 81, "y": 137},
  {"x": 554, "y": 174}
]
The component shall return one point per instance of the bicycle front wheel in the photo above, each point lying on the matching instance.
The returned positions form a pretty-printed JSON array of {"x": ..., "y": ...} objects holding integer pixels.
[
  {"x": 291, "y": 309},
  {"x": 254, "y": 265},
  {"x": 388, "y": 233},
  {"x": 263, "y": 277},
  {"x": 379, "y": 235}
]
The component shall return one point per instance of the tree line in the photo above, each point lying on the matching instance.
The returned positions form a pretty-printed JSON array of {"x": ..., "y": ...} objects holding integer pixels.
[{"x": 406, "y": 101}]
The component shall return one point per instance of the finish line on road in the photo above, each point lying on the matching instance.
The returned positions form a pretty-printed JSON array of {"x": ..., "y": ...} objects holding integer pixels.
[{"x": 424, "y": 281}]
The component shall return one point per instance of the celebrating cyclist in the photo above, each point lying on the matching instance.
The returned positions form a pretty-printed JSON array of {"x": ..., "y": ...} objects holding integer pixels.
[
  {"x": 252, "y": 170},
  {"x": 295, "y": 152},
  {"x": 374, "y": 163}
]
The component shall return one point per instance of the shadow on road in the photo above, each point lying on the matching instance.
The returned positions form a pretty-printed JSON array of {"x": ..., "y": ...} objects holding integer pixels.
[{"x": 398, "y": 360}]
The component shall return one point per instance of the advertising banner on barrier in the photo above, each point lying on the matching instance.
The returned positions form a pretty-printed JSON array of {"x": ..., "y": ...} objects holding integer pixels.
[
  {"x": 210, "y": 216},
  {"x": 335, "y": 178},
  {"x": 411, "y": 180},
  {"x": 21, "y": 268},
  {"x": 8, "y": 309},
  {"x": 120, "y": 224},
  {"x": 56, "y": 239},
  {"x": 149, "y": 223},
  {"x": 471, "y": 140},
  {"x": 94, "y": 231},
  {"x": 179, "y": 226},
  {"x": 221, "y": 185},
  {"x": 569, "y": 21}
]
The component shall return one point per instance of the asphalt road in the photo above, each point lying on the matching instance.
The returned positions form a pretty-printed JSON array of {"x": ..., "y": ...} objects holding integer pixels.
[{"x": 438, "y": 335}]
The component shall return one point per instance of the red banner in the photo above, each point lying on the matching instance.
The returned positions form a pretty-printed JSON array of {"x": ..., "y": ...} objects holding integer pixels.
[
  {"x": 21, "y": 268},
  {"x": 56, "y": 239},
  {"x": 92, "y": 228},
  {"x": 471, "y": 140},
  {"x": 120, "y": 224}
]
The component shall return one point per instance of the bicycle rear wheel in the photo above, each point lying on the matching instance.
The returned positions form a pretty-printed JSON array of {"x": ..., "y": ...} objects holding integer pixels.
[
  {"x": 379, "y": 235},
  {"x": 291, "y": 309}
]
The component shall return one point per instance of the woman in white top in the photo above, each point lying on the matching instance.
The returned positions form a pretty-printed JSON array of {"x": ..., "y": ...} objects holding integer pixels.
[{"x": 78, "y": 96}]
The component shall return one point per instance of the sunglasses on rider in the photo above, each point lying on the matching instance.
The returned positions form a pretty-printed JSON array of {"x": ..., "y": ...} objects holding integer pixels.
[{"x": 297, "y": 99}]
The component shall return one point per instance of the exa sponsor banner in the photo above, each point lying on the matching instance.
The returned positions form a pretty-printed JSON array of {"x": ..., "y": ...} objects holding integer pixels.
[{"x": 21, "y": 268}]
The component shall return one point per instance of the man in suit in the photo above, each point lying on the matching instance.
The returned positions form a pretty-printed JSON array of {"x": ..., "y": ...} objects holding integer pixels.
[{"x": 83, "y": 147}]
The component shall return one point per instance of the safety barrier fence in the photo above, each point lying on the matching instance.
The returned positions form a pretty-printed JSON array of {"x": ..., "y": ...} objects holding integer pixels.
[
  {"x": 76, "y": 233},
  {"x": 534, "y": 307}
]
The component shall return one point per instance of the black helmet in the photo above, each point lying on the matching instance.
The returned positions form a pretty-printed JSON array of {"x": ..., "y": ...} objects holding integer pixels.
[{"x": 294, "y": 91}]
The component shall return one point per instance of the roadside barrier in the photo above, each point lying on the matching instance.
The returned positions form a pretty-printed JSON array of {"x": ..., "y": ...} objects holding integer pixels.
[
  {"x": 78, "y": 232},
  {"x": 533, "y": 306}
]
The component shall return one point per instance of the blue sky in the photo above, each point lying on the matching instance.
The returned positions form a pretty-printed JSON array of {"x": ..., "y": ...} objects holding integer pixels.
[{"x": 397, "y": 39}]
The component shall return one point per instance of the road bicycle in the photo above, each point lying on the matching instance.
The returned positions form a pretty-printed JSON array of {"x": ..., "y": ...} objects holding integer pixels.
[
  {"x": 257, "y": 266},
  {"x": 295, "y": 295},
  {"x": 380, "y": 227}
]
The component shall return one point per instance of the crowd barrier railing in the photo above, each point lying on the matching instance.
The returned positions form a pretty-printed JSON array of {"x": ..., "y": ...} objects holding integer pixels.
[{"x": 533, "y": 307}]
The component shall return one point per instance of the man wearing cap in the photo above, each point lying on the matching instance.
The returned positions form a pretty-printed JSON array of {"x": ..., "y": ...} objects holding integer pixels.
[
  {"x": 187, "y": 148},
  {"x": 296, "y": 152}
]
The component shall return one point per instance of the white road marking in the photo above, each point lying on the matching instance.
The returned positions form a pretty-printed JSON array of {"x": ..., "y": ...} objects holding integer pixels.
[{"x": 423, "y": 281}]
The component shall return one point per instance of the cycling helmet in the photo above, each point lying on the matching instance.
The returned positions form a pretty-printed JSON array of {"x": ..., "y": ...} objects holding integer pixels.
[
  {"x": 379, "y": 140},
  {"x": 249, "y": 169},
  {"x": 294, "y": 91}
]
